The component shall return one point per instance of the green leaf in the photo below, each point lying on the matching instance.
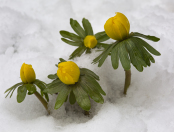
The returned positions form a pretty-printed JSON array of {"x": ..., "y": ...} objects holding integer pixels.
[
  {"x": 105, "y": 52},
  {"x": 145, "y": 54},
  {"x": 105, "y": 55},
  {"x": 62, "y": 60},
  {"x": 72, "y": 98},
  {"x": 123, "y": 54},
  {"x": 135, "y": 55},
  {"x": 101, "y": 36},
  {"x": 21, "y": 93},
  {"x": 93, "y": 93},
  {"x": 31, "y": 88},
  {"x": 54, "y": 87},
  {"x": 87, "y": 26},
  {"x": 152, "y": 38},
  {"x": 77, "y": 28},
  {"x": 94, "y": 84},
  {"x": 66, "y": 98},
  {"x": 115, "y": 57},
  {"x": 149, "y": 48},
  {"x": 88, "y": 72},
  {"x": 46, "y": 97},
  {"x": 12, "y": 92},
  {"x": 80, "y": 43},
  {"x": 12, "y": 89},
  {"x": 78, "y": 52},
  {"x": 62, "y": 96},
  {"x": 82, "y": 98},
  {"x": 71, "y": 36},
  {"x": 99, "y": 45},
  {"x": 52, "y": 76},
  {"x": 40, "y": 84}
]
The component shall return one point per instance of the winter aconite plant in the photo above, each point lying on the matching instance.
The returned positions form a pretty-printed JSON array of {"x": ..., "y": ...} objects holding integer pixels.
[
  {"x": 80, "y": 84},
  {"x": 75, "y": 84},
  {"x": 128, "y": 48},
  {"x": 85, "y": 39},
  {"x": 28, "y": 84}
]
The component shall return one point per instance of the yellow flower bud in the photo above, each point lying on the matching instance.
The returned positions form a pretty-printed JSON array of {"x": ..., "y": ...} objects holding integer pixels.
[
  {"x": 117, "y": 27},
  {"x": 68, "y": 72},
  {"x": 90, "y": 41},
  {"x": 27, "y": 73}
]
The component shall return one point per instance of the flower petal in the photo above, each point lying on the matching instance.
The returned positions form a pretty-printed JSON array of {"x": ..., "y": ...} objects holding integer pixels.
[
  {"x": 22, "y": 73},
  {"x": 68, "y": 72},
  {"x": 90, "y": 41},
  {"x": 29, "y": 73}
]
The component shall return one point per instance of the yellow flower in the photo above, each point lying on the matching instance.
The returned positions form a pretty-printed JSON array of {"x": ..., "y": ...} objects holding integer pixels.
[
  {"x": 27, "y": 73},
  {"x": 68, "y": 72},
  {"x": 117, "y": 27},
  {"x": 90, "y": 41}
]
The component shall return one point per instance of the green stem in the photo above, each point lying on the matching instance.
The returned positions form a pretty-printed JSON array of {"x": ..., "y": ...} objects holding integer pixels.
[
  {"x": 127, "y": 80},
  {"x": 42, "y": 100}
]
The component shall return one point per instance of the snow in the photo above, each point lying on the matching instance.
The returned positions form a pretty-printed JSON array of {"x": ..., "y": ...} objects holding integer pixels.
[{"x": 29, "y": 32}]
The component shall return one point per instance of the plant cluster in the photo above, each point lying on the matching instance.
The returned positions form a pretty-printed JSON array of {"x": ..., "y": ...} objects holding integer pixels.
[{"x": 80, "y": 84}]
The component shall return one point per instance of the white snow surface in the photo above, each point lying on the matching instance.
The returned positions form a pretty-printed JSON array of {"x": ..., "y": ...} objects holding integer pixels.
[{"x": 29, "y": 32}]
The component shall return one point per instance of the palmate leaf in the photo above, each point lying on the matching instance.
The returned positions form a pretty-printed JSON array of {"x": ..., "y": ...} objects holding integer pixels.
[
  {"x": 87, "y": 85},
  {"x": 77, "y": 28},
  {"x": 70, "y": 36},
  {"x": 72, "y": 98},
  {"x": 101, "y": 58},
  {"x": 94, "y": 84},
  {"x": 148, "y": 47},
  {"x": 99, "y": 45},
  {"x": 84, "y": 71},
  {"x": 142, "y": 46},
  {"x": 135, "y": 55},
  {"x": 145, "y": 54},
  {"x": 54, "y": 87},
  {"x": 105, "y": 55},
  {"x": 132, "y": 50},
  {"x": 62, "y": 60},
  {"x": 40, "y": 84},
  {"x": 93, "y": 92},
  {"x": 152, "y": 38},
  {"x": 115, "y": 57},
  {"x": 53, "y": 76},
  {"x": 73, "y": 43},
  {"x": 12, "y": 89},
  {"x": 62, "y": 96},
  {"x": 81, "y": 97},
  {"x": 66, "y": 99},
  {"x": 78, "y": 40},
  {"x": 123, "y": 54},
  {"x": 31, "y": 88},
  {"x": 101, "y": 36},
  {"x": 21, "y": 93},
  {"x": 87, "y": 26},
  {"x": 78, "y": 52}
]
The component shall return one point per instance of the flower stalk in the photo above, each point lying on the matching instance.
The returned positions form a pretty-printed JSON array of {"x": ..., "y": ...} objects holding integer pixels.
[
  {"x": 127, "y": 81},
  {"x": 42, "y": 100}
]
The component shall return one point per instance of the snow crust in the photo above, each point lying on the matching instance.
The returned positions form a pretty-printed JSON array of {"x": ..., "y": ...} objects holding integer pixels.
[{"x": 29, "y": 32}]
